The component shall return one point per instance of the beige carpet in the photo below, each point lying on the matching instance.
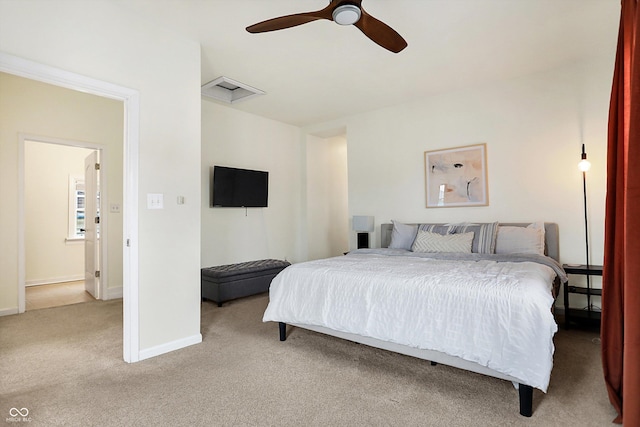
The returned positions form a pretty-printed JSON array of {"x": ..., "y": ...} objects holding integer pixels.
[{"x": 65, "y": 366}]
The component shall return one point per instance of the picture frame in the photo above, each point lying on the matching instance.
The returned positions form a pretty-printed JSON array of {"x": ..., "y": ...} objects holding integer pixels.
[{"x": 456, "y": 177}]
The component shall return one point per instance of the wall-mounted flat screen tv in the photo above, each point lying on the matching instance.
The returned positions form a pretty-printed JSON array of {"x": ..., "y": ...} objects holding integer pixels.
[{"x": 239, "y": 188}]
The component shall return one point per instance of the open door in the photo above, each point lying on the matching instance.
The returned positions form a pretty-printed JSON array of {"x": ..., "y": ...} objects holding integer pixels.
[{"x": 92, "y": 225}]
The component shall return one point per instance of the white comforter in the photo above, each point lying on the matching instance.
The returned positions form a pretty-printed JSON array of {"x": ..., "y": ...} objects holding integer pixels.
[{"x": 497, "y": 314}]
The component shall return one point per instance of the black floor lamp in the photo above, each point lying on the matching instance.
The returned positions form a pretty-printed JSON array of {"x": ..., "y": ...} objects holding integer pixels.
[{"x": 584, "y": 166}]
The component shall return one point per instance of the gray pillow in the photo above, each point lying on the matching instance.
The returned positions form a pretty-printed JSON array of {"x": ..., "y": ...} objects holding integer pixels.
[
  {"x": 484, "y": 236},
  {"x": 521, "y": 240},
  {"x": 438, "y": 228},
  {"x": 402, "y": 235}
]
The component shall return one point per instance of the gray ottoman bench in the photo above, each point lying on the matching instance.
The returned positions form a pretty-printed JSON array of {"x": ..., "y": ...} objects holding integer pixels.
[{"x": 223, "y": 283}]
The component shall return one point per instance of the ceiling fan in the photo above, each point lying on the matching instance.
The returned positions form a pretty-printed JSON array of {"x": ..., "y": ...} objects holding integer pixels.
[{"x": 343, "y": 12}]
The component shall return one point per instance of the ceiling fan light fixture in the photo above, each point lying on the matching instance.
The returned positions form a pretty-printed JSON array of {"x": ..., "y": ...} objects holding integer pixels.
[{"x": 347, "y": 14}]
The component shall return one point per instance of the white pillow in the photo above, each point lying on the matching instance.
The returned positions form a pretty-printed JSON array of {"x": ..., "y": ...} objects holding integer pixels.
[
  {"x": 521, "y": 240},
  {"x": 434, "y": 242}
]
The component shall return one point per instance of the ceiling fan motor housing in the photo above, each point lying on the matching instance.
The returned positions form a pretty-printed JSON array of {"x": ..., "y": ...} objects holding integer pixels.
[{"x": 346, "y": 14}]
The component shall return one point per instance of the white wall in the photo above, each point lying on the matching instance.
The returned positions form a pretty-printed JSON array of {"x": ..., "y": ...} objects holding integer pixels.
[
  {"x": 102, "y": 40},
  {"x": 49, "y": 257},
  {"x": 533, "y": 127},
  {"x": 237, "y": 139},
  {"x": 307, "y": 217},
  {"x": 327, "y": 197}
]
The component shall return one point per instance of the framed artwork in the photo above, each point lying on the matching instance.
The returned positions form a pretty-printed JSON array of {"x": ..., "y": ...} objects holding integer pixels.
[{"x": 456, "y": 176}]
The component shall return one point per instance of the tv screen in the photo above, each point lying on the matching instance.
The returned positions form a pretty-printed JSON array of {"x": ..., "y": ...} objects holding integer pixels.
[{"x": 239, "y": 188}]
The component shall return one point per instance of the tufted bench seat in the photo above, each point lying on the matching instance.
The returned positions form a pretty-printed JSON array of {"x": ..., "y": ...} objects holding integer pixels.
[{"x": 223, "y": 283}]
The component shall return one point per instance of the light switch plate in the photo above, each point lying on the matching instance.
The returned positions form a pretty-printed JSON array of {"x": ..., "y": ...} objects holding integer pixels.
[{"x": 155, "y": 201}]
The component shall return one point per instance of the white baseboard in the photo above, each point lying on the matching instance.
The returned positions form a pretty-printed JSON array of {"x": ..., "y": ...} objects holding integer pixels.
[
  {"x": 114, "y": 293},
  {"x": 53, "y": 280},
  {"x": 8, "y": 311},
  {"x": 169, "y": 347}
]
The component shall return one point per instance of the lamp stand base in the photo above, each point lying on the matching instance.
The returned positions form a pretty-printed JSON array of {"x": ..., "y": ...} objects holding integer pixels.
[{"x": 363, "y": 240}]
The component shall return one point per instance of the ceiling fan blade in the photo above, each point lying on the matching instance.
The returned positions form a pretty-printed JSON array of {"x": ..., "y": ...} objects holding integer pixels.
[
  {"x": 289, "y": 21},
  {"x": 380, "y": 33}
]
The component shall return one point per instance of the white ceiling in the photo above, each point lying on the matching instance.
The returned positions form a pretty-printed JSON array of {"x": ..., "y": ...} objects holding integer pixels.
[{"x": 321, "y": 71}]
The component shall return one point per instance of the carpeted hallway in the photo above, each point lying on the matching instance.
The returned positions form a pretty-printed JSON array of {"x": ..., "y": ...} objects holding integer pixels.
[{"x": 65, "y": 366}]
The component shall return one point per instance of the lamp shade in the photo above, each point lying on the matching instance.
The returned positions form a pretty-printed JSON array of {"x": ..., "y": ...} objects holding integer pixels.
[{"x": 363, "y": 223}]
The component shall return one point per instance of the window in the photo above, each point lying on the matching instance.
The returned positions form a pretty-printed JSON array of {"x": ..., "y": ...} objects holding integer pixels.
[
  {"x": 76, "y": 208},
  {"x": 79, "y": 214}
]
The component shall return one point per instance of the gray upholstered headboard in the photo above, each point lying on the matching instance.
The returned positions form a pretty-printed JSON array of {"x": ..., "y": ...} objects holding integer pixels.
[{"x": 551, "y": 236}]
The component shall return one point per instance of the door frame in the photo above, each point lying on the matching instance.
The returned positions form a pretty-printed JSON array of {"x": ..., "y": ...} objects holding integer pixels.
[
  {"x": 131, "y": 100},
  {"x": 102, "y": 253}
]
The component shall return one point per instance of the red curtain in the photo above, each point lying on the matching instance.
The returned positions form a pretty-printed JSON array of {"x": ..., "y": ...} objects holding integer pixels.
[{"x": 621, "y": 277}]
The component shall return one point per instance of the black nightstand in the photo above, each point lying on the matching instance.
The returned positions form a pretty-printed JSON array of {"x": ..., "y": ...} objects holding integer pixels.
[{"x": 588, "y": 317}]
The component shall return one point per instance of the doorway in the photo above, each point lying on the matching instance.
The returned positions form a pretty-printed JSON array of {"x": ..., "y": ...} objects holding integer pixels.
[
  {"x": 61, "y": 196},
  {"x": 131, "y": 102}
]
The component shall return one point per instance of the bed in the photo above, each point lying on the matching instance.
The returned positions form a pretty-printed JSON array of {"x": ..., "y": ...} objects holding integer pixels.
[{"x": 473, "y": 296}]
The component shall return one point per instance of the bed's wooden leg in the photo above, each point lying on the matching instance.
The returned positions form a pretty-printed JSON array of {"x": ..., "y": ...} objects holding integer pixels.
[
  {"x": 526, "y": 400},
  {"x": 283, "y": 331}
]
